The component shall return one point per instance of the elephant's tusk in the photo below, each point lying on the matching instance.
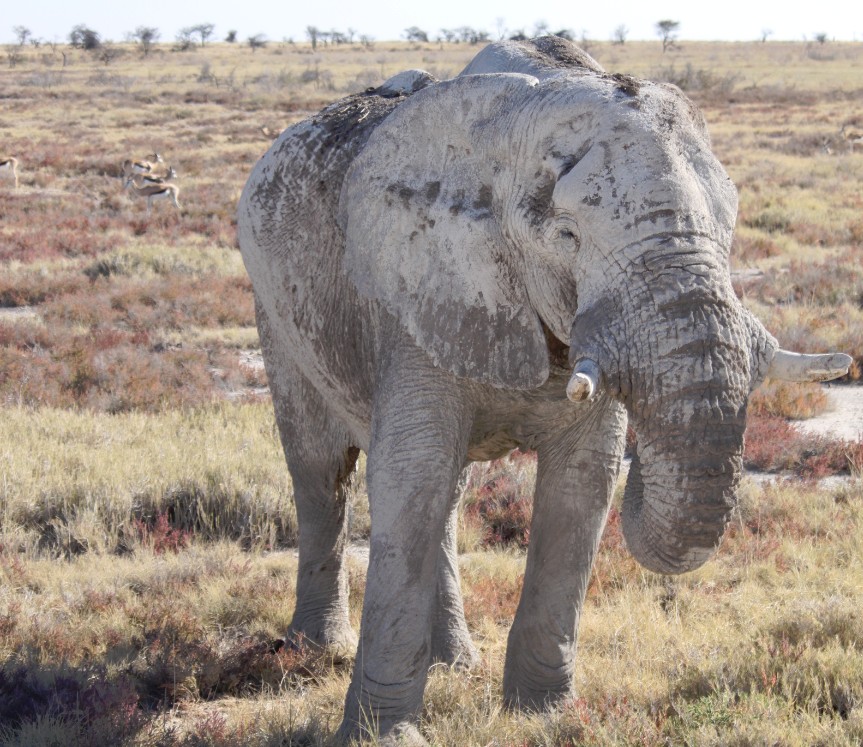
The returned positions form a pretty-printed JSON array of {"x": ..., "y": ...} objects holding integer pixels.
[
  {"x": 788, "y": 366},
  {"x": 584, "y": 382}
]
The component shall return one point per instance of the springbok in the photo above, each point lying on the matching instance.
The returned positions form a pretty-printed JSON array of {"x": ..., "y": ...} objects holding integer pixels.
[
  {"x": 155, "y": 192},
  {"x": 130, "y": 167},
  {"x": 851, "y": 136},
  {"x": 158, "y": 178},
  {"x": 10, "y": 163}
]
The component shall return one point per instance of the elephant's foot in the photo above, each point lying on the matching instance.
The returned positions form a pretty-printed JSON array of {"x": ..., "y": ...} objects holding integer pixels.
[
  {"x": 532, "y": 685},
  {"x": 521, "y": 697},
  {"x": 456, "y": 649},
  {"x": 539, "y": 669},
  {"x": 337, "y": 639},
  {"x": 385, "y": 734}
]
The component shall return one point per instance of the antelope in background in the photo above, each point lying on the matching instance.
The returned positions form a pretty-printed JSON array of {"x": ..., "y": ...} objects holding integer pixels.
[
  {"x": 10, "y": 163},
  {"x": 150, "y": 177},
  {"x": 154, "y": 191},
  {"x": 851, "y": 136},
  {"x": 158, "y": 178},
  {"x": 146, "y": 165}
]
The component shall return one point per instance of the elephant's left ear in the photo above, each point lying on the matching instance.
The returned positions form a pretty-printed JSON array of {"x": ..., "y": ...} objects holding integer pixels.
[{"x": 419, "y": 209}]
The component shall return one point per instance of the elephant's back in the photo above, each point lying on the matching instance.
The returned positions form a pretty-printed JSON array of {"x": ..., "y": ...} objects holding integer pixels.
[
  {"x": 292, "y": 247},
  {"x": 287, "y": 225}
]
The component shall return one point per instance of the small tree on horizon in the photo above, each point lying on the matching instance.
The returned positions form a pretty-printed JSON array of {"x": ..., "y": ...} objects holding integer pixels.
[
  {"x": 184, "y": 40},
  {"x": 22, "y": 33},
  {"x": 313, "y": 33},
  {"x": 667, "y": 31},
  {"x": 256, "y": 42},
  {"x": 470, "y": 35},
  {"x": 83, "y": 37},
  {"x": 540, "y": 28},
  {"x": 203, "y": 30},
  {"x": 146, "y": 36},
  {"x": 416, "y": 34},
  {"x": 231, "y": 37},
  {"x": 619, "y": 34},
  {"x": 765, "y": 33}
]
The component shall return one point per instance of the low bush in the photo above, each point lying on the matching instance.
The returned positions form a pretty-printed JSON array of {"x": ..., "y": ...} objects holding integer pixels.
[
  {"x": 703, "y": 84},
  {"x": 774, "y": 445},
  {"x": 499, "y": 499},
  {"x": 788, "y": 400},
  {"x": 87, "y": 707}
]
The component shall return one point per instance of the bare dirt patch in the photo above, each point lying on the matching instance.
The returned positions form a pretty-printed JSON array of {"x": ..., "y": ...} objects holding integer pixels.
[
  {"x": 18, "y": 312},
  {"x": 844, "y": 419}
]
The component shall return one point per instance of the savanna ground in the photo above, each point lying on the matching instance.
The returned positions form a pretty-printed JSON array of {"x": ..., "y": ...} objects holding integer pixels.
[{"x": 146, "y": 522}]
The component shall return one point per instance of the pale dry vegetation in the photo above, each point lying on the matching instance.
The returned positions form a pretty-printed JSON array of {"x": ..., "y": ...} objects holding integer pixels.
[{"x": 146, "y": 522}]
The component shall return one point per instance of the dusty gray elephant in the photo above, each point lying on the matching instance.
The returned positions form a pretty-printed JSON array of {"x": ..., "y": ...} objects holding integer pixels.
[{"x": 435, "y": 272}]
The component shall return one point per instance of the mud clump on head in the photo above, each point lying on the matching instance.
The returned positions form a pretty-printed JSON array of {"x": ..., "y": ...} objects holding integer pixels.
[
  {"x": 354, "y": 117},
  {"x": 627, "y": 84}
]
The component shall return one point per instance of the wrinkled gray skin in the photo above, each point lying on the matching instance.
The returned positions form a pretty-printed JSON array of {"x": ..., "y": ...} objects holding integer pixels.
[{"x": 427, "y": 268}]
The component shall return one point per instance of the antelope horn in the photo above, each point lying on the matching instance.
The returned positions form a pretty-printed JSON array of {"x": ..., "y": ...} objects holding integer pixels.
[
  {"x": 788, "y": 366},
  {"x": 584, "y": 382}
]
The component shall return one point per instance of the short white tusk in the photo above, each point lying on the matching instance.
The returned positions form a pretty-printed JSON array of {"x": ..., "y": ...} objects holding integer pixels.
[
  {"x": 584, "y": 382},
  {"x": 788, "y": 366}
]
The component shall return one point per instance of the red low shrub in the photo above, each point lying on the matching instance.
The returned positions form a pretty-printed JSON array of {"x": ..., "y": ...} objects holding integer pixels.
[
  {"x": 160, "y": 536},
  {"x": 500, "y": 499},
  {"x": 775, "y": 445}
]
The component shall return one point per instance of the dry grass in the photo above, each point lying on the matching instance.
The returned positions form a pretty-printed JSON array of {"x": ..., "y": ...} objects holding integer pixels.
[
  {"x": 788, "y": 400},
  {"x": 145, "y": 512},
  {"x": 74, "y": 483},
  {"x": 760, "y": 646}
]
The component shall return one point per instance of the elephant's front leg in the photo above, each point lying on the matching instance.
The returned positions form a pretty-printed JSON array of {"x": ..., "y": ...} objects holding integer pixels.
[
  {"x": 419, "y": 437},
  {"x": 576, "y": 474}
]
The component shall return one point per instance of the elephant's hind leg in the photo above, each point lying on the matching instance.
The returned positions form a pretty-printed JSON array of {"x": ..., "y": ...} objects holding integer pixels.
[
  {"x": 320, "y": 493},
  {"x": 321, "y": 459}
]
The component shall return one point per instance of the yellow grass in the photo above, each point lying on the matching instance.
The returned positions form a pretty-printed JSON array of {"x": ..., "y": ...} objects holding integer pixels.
[{"x": 81, "y": 479}]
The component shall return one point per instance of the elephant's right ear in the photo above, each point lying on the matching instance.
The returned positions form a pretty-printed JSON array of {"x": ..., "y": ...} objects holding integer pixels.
[{"x": 420, "y": 213}]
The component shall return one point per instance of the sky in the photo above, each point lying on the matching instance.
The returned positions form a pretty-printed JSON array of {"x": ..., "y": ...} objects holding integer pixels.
[{"x": 727, "y": 20}]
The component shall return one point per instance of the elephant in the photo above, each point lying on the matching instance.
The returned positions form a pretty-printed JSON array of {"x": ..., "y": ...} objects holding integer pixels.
[{"x": 444, "y": 271}]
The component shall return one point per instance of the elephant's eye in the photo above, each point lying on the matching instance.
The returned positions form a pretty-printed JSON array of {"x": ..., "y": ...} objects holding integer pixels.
[{"x": 568, "y": 238}]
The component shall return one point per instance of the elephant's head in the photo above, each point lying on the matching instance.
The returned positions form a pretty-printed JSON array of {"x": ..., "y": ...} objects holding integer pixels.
[{"x": 590, "y": 206}]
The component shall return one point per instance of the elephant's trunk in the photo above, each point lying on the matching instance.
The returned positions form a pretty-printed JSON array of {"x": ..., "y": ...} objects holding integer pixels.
[
  {"x": 675, "y": 509},
  {"x": 690, "y": 358},
  {"x": 687, "y": 405}
]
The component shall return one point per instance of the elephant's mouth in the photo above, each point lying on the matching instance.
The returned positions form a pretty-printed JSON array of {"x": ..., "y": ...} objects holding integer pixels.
[{"x": 558, "y": 352}]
